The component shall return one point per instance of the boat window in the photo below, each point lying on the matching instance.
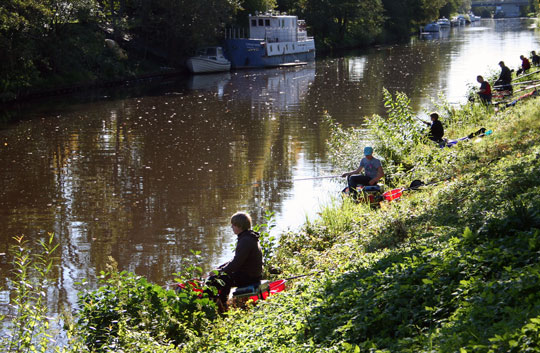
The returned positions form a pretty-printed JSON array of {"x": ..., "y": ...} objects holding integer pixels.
[
  {"x": 261, "y": 22},
  {"x": 267, "y": 23},
  {"x": 282, "y": 23},
  {"x": 254, "y": 23}
]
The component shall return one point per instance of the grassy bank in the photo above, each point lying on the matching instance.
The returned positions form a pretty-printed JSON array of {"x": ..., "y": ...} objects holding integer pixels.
[{"x": 450, "y": 268}]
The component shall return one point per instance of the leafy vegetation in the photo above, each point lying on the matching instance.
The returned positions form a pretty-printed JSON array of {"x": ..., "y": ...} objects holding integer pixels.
[
  {"x": 452, "y": 267},
  {"x": 128, "y": 304},
  {"x": 27, "y": 327},
  {"x": 57, "y": 44}
]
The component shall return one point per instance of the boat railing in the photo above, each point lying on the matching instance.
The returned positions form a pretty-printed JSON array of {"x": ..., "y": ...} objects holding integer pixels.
[
  {"x": 302, "y": 36},
  {"x": 272, "y": 35}
]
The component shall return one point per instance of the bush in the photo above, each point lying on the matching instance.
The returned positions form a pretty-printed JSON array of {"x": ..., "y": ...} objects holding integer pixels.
[{"x": 128, "y": 304}]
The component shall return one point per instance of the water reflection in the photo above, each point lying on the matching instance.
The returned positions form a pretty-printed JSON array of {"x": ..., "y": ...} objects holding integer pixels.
[
  {"x": 210, "y": 82},
  {"x": 146, "y": 178},
  {"x": 443, "y": 33}
]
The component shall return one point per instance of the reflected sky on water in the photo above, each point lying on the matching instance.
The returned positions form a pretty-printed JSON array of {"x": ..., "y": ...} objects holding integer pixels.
[{"x": 146, "y": 173}]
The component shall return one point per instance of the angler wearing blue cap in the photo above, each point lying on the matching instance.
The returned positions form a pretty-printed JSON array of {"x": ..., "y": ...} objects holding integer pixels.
[{"x": 373, "y": 171}]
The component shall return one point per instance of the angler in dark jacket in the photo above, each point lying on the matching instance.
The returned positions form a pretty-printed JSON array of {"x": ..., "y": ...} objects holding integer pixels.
[
  {"x": 436, "y": 130},
  {"x": 505, "y": 78},
  {"x": 246, "y": 266}
]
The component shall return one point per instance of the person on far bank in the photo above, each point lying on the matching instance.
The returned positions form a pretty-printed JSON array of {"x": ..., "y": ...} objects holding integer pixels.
[
  {"x": 503, "y": 83},
  {"x": 373, "y": 172},
  {"x": 245, "y": 268},
  {"x": 485, "y": 90},
  {"x": 436, "y": 130},
  {"x": 525, "y": 65}
]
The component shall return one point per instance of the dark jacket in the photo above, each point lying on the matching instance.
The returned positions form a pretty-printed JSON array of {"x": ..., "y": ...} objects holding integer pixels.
[
  {"x": 436, "y": 131},
  {"x": 506, "y": 76},
  {"x": 247, "y": 256}
]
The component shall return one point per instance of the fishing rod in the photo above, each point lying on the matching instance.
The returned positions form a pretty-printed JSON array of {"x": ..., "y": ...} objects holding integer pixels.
[
  {"x": 519, "y": 83},
  {"x": 522, "y": 76},
  {"x": 415, "y": 185},
  {"x": 518, "y": 78},
  {"x": 525, "y": 82},
  {"x": 304, "y": 275},
  {"x": 257, "y": 183},
  {"x": 519, "y": 98},
  {"x": 201, "y": 280},
  {"x": 527, "y": 88}
]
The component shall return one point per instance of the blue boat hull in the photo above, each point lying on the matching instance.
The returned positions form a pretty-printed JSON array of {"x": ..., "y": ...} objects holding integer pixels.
[{"x": 251, "y": 53}]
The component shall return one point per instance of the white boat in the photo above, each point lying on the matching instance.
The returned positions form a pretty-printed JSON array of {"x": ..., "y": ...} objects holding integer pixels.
[
  {"x": 443, "y": 22},
  {"x": 209, "y": 59},
  {"x": 462, "y": 20},
  {"x": 473, "y": 17},
  {"x": 274, "y": 40}
]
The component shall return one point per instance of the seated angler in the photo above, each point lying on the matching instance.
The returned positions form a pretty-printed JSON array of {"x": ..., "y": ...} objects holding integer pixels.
[
  {"x": 372, "y": 168},
  {"x": 503, "y": 83},
  {"x": 525, "y": 65},
  {"x": 245, "y": 268},
  {"x": 485, "y": 90},
  {"x": 436, "y": 130}
]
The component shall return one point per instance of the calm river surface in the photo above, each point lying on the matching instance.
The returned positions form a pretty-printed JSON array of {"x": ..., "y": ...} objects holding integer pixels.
[{"x": 147, "y": 173}]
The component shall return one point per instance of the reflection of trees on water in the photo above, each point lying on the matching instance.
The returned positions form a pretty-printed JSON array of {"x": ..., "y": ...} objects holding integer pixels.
[
  {"x": 146, "y": 180},
  {"x": 417, "y": 69}
]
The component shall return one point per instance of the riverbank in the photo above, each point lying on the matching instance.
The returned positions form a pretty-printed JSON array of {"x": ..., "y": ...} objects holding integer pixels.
[
  {"x": 356, "y": 243},
  {"x": 451, "y": 266}
]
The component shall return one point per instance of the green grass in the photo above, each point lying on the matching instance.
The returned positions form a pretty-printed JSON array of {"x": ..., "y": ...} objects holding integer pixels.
[{"x": 450, "y": 268}]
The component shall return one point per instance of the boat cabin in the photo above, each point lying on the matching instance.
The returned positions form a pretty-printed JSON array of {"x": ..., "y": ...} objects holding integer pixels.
[
  {"x": 277, "y": 28},
  {"x": 210, "y": 52}
]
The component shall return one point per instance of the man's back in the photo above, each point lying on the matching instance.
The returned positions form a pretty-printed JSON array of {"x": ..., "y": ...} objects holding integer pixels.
[
  {"x": 506, "y": 75},
  {"x": 248, "y": 256}
]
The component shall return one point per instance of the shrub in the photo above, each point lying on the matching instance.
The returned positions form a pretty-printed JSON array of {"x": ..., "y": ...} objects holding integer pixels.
[{"x": 126, "y": 303}]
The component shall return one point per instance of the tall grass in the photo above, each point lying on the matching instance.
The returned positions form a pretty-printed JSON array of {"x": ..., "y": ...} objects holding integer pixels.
[{"x": 27, "y": 328}]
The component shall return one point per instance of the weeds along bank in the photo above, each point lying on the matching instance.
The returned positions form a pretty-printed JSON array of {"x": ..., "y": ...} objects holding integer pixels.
[{"x": 451, "y": 267}]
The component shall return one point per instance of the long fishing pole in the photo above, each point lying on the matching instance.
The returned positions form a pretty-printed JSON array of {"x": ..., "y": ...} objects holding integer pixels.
[
  {"x": 304, "y": 275},
  {"x": 525, "y": 82},
  {"x": 529, "y": 74},
  {"x": 519, "y": 83},
  {"x": 313, "y": 178},
  {"x": 527, "y": 88},
  {"x": 518, "y": 78},
  {"x": 168, "y": 284},
  {"x": 260, "y": 182}
]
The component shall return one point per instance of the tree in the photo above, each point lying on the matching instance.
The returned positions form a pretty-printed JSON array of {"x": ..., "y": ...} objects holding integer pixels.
[
  {"x": 22, "y": 23},
  {"x": 344, "y": 23}
]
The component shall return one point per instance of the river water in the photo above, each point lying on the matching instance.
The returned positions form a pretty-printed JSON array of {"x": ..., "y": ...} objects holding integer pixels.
[{"x": 148, "y": 172}]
